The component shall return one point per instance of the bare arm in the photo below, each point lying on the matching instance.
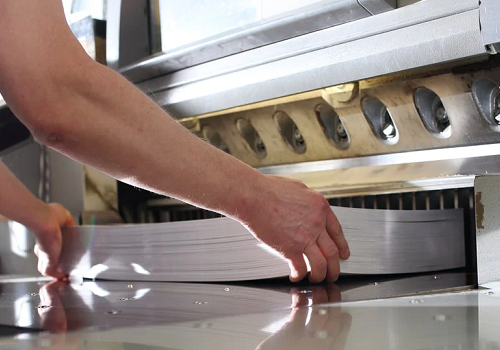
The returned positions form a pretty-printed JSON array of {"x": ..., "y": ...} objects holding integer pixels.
[
  {"x": 18, "y": 204},
  {"x": 44, "y": 220},
  {"x": 94, "y": 115}
]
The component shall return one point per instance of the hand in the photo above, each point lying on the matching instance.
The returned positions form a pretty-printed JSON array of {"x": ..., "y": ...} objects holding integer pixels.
[
  {"x": 296, "y": 221},
  {"x": 49, "y": 239}
]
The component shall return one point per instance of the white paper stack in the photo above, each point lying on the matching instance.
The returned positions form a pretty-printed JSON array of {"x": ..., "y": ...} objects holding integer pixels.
[{"x": 381, "y": 242}]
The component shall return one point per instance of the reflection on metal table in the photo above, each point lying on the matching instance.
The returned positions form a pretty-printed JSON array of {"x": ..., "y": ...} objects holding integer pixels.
[{"x": 124, "y": 315}]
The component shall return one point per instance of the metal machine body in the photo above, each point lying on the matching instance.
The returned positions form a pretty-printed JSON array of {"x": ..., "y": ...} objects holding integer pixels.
[
  {"x": 376, "y": 104},
  {"x": 387, "y": 108}
]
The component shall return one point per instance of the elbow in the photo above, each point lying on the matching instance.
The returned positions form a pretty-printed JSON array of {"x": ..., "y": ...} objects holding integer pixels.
[{"x": 49, "y": 131}]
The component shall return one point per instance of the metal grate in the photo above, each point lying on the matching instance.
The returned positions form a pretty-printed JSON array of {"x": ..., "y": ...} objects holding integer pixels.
[
  {"x": 462, "y": 198},
  {"x": 424, "y": 200}
]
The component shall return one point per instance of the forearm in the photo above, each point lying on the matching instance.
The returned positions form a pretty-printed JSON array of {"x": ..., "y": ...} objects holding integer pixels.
[
  {"x": 18, "y": 204},
  {"x": 104, "y": 121}
]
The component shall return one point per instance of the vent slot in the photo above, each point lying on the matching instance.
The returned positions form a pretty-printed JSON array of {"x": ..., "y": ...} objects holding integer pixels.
[
  {"x": 333, "y": 127},
  {"x": 380, "y": 120},
  {"x": 290, "y": 132},
  {"x": 252, "y": 138},
  {"x": 432, "y": 112}
]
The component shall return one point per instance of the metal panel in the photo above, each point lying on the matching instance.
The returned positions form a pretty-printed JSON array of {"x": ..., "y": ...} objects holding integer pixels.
[
  {"x": 464, "y": 320},
  {"x": 251, "y": 37},
  {"x": 127, "y": 32},
  {"x": 186, "y": 22},
  {"x": 87, "y": 306},
  {"x": 490, "y": 25},
  {"x": 319, "y": 64},
  {"x": 487, "y": 192},
  {"x": 316, "y": 41}
]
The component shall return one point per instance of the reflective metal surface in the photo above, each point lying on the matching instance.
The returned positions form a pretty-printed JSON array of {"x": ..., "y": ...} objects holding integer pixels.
[
  {"x": 383, "y": 44},
  {"x": 127, "y": 32},
  {"x": 162, "y": 316},
  {"x": 487, "y": 192},
  {"x": 105, "y": 305},
  {"x": 234, "y": 26}
]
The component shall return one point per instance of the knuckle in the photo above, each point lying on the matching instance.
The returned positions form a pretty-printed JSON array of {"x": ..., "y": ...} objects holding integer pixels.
[
  {"x": 321, "y": 264},
  {"x": 332, "y": 253}
]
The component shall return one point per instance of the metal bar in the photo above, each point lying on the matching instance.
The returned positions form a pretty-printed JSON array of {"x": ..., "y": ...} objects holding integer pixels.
[
  {"x": 426, "y": 156},
  {"x": 391, "y": 42},
  {"x": 490, "y": 26}
]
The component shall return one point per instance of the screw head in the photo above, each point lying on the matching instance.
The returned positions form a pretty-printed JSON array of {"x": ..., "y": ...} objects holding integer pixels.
[
  {"x": 442, "y": 115},
  {"x": 341, "y": 130}
]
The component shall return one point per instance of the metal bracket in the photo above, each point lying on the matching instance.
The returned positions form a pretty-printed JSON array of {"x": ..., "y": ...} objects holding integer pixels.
[
  {"x": 487, "y": 193},
  {"x": 490, "y": 25}
]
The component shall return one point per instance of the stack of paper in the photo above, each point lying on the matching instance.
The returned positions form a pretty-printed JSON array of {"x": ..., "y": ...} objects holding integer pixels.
[{"x": 381, "y": 242}]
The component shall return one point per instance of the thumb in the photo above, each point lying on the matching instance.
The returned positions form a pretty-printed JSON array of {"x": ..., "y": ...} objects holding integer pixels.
[{"x": 70, "y": 221}]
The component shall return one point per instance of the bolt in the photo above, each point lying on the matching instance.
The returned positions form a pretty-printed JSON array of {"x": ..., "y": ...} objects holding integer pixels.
[
  {"x": 496, "y": 109},
  {"x": 299, "y": 140},
  {"x": 341, "y": 130},
  {"x": 442, "y": 115},
  {"x": 259, "y": 144}
]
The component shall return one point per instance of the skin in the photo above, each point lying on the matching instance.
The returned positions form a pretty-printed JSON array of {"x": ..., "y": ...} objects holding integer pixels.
[
  {"x": 93, "y": 115},
  {"x": 44, "y": 220}
]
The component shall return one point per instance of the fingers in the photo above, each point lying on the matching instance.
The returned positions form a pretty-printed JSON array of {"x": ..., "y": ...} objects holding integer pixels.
[
  {"x": 317, "y": 262},
  {"x": 331, "y": 254},
  {"x": 46, "y": 266},
  {"x": 334, "y": 230},
  {"x": 298, "y": 268},
  {"x": 70, "y": 221}
]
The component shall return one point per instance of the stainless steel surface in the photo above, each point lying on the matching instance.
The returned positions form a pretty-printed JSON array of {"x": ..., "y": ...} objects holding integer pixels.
[
  {"x": 218, "y": 250},
  {"x": 127, "y": 32},
  {"x": 391, "y": 42},
  {"x": 490, "y": 28},
  {"x": 466, "y": 125},
  {"x": 242, "y": 26},
  {"x": 460, "y": 154},
  {"x": 41, "y": 304},
  {"x": 463, "y": 320},
  {"x": 487, "y": 192},
  {"x": 155, "y": 26}
]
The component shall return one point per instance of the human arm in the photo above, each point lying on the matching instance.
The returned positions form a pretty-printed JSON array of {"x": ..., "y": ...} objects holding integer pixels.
[
  {"x": 44, "y": 220},
  {"x": 95, "y": 116}
]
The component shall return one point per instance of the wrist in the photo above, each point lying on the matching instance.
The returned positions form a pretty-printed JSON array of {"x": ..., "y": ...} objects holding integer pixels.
[
  {"x": 38, "y": 218},
  {"x": 249, "y": 198}
]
